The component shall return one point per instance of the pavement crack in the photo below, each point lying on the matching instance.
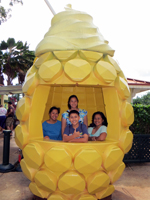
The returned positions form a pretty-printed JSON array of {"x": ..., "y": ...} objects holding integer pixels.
[
  {"x": 130, "y": 167},
  {"x": 127, "y": 192}
]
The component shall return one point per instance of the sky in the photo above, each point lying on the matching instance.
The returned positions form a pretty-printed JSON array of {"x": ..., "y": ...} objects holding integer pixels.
[{"x": 124, "y": 23}]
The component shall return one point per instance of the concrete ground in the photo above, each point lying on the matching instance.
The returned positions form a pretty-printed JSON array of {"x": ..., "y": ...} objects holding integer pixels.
[{"x": 134, "y": 183}]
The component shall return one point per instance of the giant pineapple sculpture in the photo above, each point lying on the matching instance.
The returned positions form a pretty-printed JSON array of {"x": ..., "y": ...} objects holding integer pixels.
[{"x": 74, "y": 58}]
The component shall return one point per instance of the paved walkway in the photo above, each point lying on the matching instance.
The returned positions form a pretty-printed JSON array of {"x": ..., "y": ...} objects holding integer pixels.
[{"x": 134, "y": 183}]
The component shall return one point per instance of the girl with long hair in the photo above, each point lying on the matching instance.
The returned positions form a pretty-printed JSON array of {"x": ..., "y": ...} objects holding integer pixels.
[
  {"x": 98, "y": 128},
  {"x": 73, "y": 105}
]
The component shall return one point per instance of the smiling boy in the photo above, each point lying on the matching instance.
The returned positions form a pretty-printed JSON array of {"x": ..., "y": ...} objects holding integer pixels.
[{"x": 76, "y": 132}]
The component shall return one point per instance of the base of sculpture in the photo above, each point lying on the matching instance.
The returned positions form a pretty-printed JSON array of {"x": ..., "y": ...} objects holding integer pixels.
[{"x": 106, "y": 198}]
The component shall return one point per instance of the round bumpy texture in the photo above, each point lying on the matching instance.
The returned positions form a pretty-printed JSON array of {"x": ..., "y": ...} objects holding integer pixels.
[{"x": 74, "y": 58}]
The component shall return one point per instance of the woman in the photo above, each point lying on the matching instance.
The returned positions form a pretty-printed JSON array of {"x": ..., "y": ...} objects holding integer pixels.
[
  {"x": 73, "y": 105},
  {"x": 98, "y": 128},
  {"x": 52, "y": 127},
  {"x": 10, "y": 116},
  {"x": 3, "y": 112}
]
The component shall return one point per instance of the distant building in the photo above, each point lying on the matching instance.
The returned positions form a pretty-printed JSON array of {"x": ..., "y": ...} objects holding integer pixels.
[{"x": 137, "y": 86}]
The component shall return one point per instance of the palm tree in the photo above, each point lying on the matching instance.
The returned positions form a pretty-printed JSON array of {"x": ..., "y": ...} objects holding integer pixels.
[
  {"x": 15, "y": 60},
  {"x": 1, "y": 72}
]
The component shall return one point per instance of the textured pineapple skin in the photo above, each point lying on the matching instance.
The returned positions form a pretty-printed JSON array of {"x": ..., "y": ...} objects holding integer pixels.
[{"x": 58, "y": 170}]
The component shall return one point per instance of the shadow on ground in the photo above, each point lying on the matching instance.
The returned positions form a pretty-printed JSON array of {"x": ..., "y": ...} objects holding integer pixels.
[{"x": 118, "y": 195}]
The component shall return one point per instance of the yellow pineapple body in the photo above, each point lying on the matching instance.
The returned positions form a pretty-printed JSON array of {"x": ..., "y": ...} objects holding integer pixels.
[{"x": 66, "y": 171}]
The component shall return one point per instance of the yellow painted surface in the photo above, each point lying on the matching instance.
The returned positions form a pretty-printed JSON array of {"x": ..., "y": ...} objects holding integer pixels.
[
  {"x": 112, "y": 108},
  {"x": 127, "y": 114},
  {"x": 43, "y": 58},
  {"x": 46, "y": 180},
  {"x": 90, "y": 55},
  {"x": 106, "y": 192},
  {"x": 28, "y": 171},
  {"x": 30, "y": 84},
  {"x": 77, "y": 63},
  {"x": 21, "y": 135},
  {"x": 125, "y": 141},
  {"x": 110, "y": 60},
  {"x": 98, "y": 182},
  {"x": 36, "y": 116},
  {"x": 77, "y": 69},
  {"x": 71, "y": 183},
  {"x": 122, "y": 88},
  {"x": 33, "y": 155},
  {"x": 58, "y": 159},
  {"x": 65, "y": 55},
  {"x": 50, "y": 70},
  {"x": 31, "y": 71},
  {"x": 79, "y": 33},
  {"x": 116, "y": 173},
  {"x": 58, "y": 196},
  {"x": 37, "y": 191},
  {"x": 105, "y": 71},
  {"x": 85, "y": 165},
  {"x": 112, "y": 157},
  {"x": 85, "y": 196},
  {"x": 23, "y": 109}
]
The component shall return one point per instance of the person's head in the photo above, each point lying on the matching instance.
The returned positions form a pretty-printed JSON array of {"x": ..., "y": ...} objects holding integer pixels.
[
  {"x": 74, "y": 117},
  {"x": 9, "y": 103},
  {"x": 73, "y": 102},
  {"x": 54, "y": 112},
  {"x": 98, "y": 118}
]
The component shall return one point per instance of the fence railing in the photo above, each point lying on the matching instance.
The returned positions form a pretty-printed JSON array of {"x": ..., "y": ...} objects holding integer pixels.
[{"x": 140, "y": 151}]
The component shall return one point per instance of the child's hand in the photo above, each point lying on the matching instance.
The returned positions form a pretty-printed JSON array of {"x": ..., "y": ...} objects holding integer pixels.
[
  {"x": 93, "y": 138},
  {"x": 46, "y": 137},
  {"x": 76, "y": 133}
]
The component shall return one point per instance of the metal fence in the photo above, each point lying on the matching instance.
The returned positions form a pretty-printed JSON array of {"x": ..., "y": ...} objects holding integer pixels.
[{"x": 140, "y": 151}]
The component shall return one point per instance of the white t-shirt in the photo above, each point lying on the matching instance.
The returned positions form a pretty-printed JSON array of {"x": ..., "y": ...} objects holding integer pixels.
[
  {"x": 3, "y": 111},
  {"x": 102, "y": 129}
]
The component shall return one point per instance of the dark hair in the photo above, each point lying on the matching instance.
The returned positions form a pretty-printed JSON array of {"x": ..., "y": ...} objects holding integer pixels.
[
  {"x": 73, "y": 111},
  {"x": 72, "y": 96},
  {"x": 9, "y": 102},
  {"x": 54, "y": 108},
  {"x": 105, "y": 123}
]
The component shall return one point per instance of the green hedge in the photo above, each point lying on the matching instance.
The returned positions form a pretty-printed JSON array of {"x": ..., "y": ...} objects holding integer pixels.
[{"x": 141, "y": 123}]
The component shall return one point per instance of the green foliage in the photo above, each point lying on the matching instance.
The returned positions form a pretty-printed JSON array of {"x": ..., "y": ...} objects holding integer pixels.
[
  {"x": 15, "y": 59},
  {"x": 5, "y": 13},
  {"x": 141, "y": 123},
  {"x": 145, "y": 100},
  {"x": 12, "y": 2},
  {"x": 1, "y": 72}
]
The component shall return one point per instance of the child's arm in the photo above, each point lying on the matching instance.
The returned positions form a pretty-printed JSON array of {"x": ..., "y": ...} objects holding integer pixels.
[
  {"x": 85, "y": 121},
  {"x": 101, "y": 137},
  {"x": 46, "y": 137},
  {"x": 83, "y": 139},
  {"x": 102, "y": 133},
  {"x": 68, "y": 138},
  {"x": 63, "y": 125}
]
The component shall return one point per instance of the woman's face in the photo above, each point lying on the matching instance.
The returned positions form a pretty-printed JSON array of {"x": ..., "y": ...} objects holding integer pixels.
[
  {"x": 54, "y": 114},
  {"x": 73, "y": 103},
  {"x": 98, "y": 120}
]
